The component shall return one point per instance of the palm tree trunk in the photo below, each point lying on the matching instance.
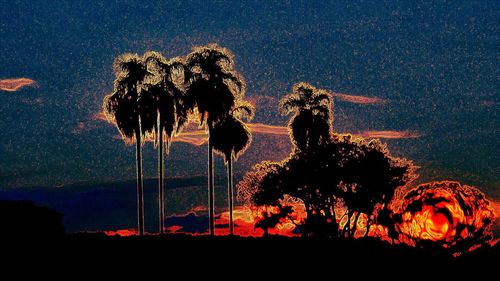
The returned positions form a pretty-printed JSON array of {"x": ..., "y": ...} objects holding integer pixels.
[
  {"x": 211, "y": 187},
  {"x": 140, "y": 189},
  {"x": 161, "y": 196},
  {"x": 230, "y": 192}
]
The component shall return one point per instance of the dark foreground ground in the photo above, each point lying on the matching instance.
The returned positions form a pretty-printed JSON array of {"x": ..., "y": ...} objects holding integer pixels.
[
  {"x": 33, "y": 240},
  {"x": 187, "y": 255}
]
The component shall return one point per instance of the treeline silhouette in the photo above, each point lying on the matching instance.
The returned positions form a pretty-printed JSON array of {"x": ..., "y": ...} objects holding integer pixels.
[
  {"x": 346, "y": 184},
  {"x": 325, "y": 171}
]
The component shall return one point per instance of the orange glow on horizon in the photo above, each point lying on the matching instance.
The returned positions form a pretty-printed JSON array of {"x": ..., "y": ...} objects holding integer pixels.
[
  {"x": 15, "y": 84},
  {"x": 121, "y": 232},
  {"x": 430, "y": 224}
]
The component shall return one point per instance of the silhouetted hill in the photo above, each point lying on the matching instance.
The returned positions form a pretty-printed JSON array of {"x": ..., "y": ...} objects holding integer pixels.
[
  {"x": 105, "y": 206},
  {"x": 25, "y": 219}
]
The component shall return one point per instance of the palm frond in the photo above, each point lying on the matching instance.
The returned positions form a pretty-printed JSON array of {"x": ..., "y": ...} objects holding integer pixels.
[
  {"x": 236, "y": 79},
  {"x": 291, "y": 104},
  {"x": 322, "y": 96},
  {"x": 126, "y": 62},
  {"x": 321, "y": 109},
  {"x": 230, "y": 137},
  {"x": 210, "y": 54},
  {"x": 243, "y": 109},
  {"x": 304, "y": 89}
]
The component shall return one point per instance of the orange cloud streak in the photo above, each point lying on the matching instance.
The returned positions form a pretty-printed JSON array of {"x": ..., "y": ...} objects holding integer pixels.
[
  {"x": 357, "y": 99},
  {"x": 388, "y": 134},
  {"x": 197, "y": 141},
  {"x": 15, "y": 84},
  {"x": 199, "y": 136},
  {"x": 260, "y": 128}
]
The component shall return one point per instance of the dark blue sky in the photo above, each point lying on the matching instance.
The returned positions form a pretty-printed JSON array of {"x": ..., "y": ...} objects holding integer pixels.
[{"x": 436, "y": 65}]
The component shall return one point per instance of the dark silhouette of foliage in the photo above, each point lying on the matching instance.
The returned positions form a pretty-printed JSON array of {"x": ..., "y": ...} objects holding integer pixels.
[
  {"x": 130, "y": 110},
  {"x": 212, "y": 83},
  {"x": 312, "y": 117},
  {"x": 272, "y": 219},
  {"x": 368, "y": 178},
  {"x": 231, "y": 136},
  {"x": 327, "y": 171},
  {"x": 167, "y": 111},
  {"x": 214, "y": 87}
]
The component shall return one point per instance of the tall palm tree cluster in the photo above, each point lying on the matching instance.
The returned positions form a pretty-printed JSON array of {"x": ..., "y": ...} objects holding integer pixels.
[{"x": 152, "y": 98}]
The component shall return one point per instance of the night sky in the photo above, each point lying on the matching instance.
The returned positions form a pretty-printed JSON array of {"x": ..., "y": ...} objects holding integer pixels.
[{"x": 433, "y": 67}]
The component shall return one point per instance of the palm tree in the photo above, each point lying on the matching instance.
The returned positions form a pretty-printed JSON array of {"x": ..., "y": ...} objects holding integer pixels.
[
  {"x": 125, "y": 107},
  {"x": 312, "y": 121},
  {"x": 213, "y": 86},
  {"x": 169, "y": 110},
  {"x": 231, "y": 137}
]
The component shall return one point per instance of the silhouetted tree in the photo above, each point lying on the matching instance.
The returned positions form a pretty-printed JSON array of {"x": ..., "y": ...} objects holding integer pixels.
[
  {"x": 368, "y": 178},
  {"x": 312, "y": 118},
  {"x": 169, "y": 112},
  {"x": 231, "y": 137},
  {"x": 326, "y": 171},
  {"x": 214, "y": 87},
  {"x": 126, "y": 107},
  {"x": 359, "y": 175}
]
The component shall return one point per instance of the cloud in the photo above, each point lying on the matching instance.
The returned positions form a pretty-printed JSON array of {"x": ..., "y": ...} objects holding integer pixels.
[
  {"x": 99, "y": 116},
  {"x": 15, "y": 84},
  {"x": 89, "y": 124},
  {"x": 197, "y": 141},
  {"x": 488, "y": 103},
  {"x": 199, "y": 137},
  {"x": 195, "y": 224},
  {"x": 81, "y": 127},
  {"x": 260, "y": 128},
  {"x": 358, "y": 99},
  {"x": 388, "y": 134}
]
